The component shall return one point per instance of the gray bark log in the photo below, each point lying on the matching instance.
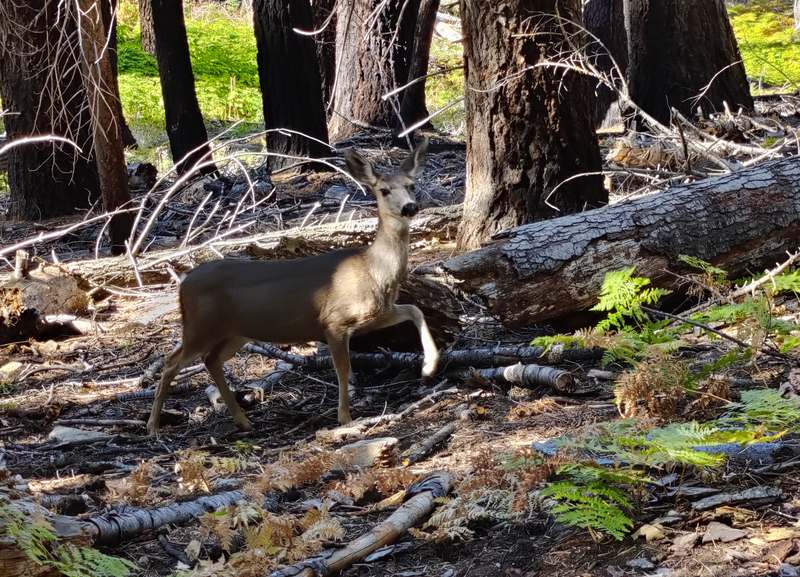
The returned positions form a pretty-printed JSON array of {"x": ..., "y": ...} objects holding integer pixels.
[{"x": 742, "y": 222}]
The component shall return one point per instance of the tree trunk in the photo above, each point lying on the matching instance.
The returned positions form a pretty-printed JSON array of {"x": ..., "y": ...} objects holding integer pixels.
[
  {"x": 107, "y": 135},
  {"x": 324, "y": 14},
  {"x": 741, "y": 222},
  {"x": 412, "y": 107},
  {"x": 108, "y": 8},
  {"x": 676, "y": 49},
  {"x": 605, "y": 20},
  {"x": 528, "y": 129},
  {"x": 292, "y": 100},
  {"x": 188, "y": 139},
  {"x": 148, "y": 37},
  {"x": 44, "y": 96},
  {"x": 373, "y": 58}
]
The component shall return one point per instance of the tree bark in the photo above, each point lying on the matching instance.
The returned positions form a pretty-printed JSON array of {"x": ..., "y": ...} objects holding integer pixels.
[
  {"x": 529, "y": 129},
  {"x": 108, "y": 8},
  {"x": 44, "y": 95},
  {"x": 148, "y": 36},
  {"x": 605, "y": 20},
  {"x": 741, "y": 222},
  {"x": 292, "y": 100},
  {"x": 323, "y": 13},
  {"x": 373, "y": 57},
  {"x": 412, "y": 105},
  {"x": 680, "y": 49},
  {"x": 107, "y": 134},
  {"x": 188, "y": 139}
]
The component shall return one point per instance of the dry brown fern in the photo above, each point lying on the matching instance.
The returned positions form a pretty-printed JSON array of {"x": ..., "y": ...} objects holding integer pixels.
[{"x": 653, "y": 389}]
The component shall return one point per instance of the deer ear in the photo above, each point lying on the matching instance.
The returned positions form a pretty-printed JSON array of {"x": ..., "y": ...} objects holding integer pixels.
[
  {"x": 415, "y": 161},
  {"x": 360, "y": 168}
]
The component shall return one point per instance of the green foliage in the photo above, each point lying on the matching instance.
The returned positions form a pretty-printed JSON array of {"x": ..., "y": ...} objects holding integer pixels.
[
  {"x": 442, "y": 89},
  {"x": 36, "y": 539},
  {"x": 788, "y": 282},
  {"x": 550, "y": 340},
  {"x": 731, "y": 358},
  {"x": 765, "y": 411},
  {"x": 764, "y": 31},
  {"x": 622, "y": 294},
  {"x": 717, "y": 274},
  {"x": 591, "y": 500}
]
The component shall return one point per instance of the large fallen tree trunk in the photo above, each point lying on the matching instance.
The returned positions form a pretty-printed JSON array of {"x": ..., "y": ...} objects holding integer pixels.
[{"x": 742, "y": 222}]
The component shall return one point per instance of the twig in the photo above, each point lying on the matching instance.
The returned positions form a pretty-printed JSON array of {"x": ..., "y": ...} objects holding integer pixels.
[
  {"x": 427, "y": 446},
  {"x": 739, "y": 342}
]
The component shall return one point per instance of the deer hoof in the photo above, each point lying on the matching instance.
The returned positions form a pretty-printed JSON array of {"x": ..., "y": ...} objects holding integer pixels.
[
  {"x": 243, "y": 424},
  {"x": 429, "y": 366},
  {"x": 344, "y": 417},
  {"x": 152, "y": 428}
]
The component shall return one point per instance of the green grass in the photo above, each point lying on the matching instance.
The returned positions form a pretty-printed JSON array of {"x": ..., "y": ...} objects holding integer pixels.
[
  {"x": 764, "y": 31},
  {"x": 223, "y": 52}
]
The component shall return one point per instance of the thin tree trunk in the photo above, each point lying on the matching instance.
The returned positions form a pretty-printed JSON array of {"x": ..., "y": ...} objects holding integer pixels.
[
  {"x": 107, "y": 134},
  {"x": 148, "y": 36},
  {"x": 110, "y": 23},
  {"x": 412, "y": 107},
  {"x": 292, "y": 100},
  {"x": 682, "y": 54},
  {"x": 188, "y": 139},
  {"x": 529, "y": 129}
]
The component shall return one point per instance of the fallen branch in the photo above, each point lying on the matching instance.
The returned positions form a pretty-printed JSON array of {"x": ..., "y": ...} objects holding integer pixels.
[
  {"x": 411, "y": 513},
  {"x": 528, "y": 376},
  {"x": 427, "y": 446}
]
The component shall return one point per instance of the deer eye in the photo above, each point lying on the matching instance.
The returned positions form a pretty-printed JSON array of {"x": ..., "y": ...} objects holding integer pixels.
[{"x": 385, "y": 192}]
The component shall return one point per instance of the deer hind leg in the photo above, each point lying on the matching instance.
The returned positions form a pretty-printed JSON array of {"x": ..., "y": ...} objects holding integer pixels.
[
  {"x": 400, "y": 313},
  {"x": 178, "y": 359},
  {"x": 214, "y": 362},
  {"x": 340, "y": 352}
]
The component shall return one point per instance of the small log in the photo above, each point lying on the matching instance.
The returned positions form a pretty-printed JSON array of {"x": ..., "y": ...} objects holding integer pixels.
[
  {"x": 527, "y": 376},
  {"x": 546, "y": 271},
  {"x": 411, "y": 513},
  {"x": 368, "y": 453}
]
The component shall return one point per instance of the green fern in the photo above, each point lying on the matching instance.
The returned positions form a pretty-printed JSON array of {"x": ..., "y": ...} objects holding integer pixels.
[
  {"x": 765, "y": 411},
  {"x": 590, "y": 500},
  {"x": 621, "y": 295},
  {"x": 716, "y": 274},
  {"x": 787, "y": 282},
  {"x": 36, "y": 539}
]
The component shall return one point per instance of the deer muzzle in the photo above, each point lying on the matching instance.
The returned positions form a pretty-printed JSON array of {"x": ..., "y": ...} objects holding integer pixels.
[{"x": 411, "y": 209}]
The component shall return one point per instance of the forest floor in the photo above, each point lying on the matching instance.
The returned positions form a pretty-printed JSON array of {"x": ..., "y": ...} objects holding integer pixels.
[{"x": 88, "y": 383}]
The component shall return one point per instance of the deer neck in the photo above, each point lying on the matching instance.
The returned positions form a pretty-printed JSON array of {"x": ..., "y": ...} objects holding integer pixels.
[{"x": 388, "y": 254}]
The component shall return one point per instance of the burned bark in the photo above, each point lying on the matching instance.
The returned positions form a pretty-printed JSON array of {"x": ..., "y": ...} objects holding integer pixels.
[
  {"x": 683, "y": 54},
  {"x": 529, "y": 128},
  {"x": 44, "y": 96},
  {"x": 741, "y": 222},
  {"x": 188, "y": 139},
  {"x": 323, "y": 13},
  {"x": 291, "y": 87},
  {"x": 605, "y": 21}
]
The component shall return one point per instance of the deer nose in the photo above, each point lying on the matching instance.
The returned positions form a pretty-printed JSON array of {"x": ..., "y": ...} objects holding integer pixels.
[{"x": 411, "y": 209}]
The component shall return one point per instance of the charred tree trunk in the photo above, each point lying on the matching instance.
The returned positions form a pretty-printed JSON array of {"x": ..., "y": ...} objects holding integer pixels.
[
  {"x": 374, "y": 41},
  {"x": 291, "y": 87},
  {"x": 188, "y": 139},
  {"x": 412, "y": 106},
  {"x": 680, "y": 49},
  {"x": 741, "y": 222},
  {"x": 110, "y": 23},
  {"x": 106, "y": 124},
  {"x": 324, "y": 14},
  {"x": 528, "y": 129},
  {"x": 605, "y": 20},
  {"x": 148, "y": 36},
  {"x": 44, "y": 97}
]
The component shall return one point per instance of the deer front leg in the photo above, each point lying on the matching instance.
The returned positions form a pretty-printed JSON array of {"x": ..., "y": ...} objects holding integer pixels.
[
  {"x": 214, "y": 362},
  {"x": 172, "y": 366},
  {"x": 412, "y": 313},
  {"x": 340, "y": 352}
]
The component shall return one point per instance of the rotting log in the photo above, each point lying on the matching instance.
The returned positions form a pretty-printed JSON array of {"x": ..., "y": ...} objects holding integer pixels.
[{"x": 741, "y": 222}]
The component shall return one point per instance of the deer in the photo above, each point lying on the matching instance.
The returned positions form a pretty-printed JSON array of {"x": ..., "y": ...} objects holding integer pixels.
[{"x": 330, "y": 297}]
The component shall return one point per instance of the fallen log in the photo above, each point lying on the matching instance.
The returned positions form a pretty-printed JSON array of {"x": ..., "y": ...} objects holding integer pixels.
[
  {"x": 526, "y": 376},
  {"x": 741, "y": 222}
]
